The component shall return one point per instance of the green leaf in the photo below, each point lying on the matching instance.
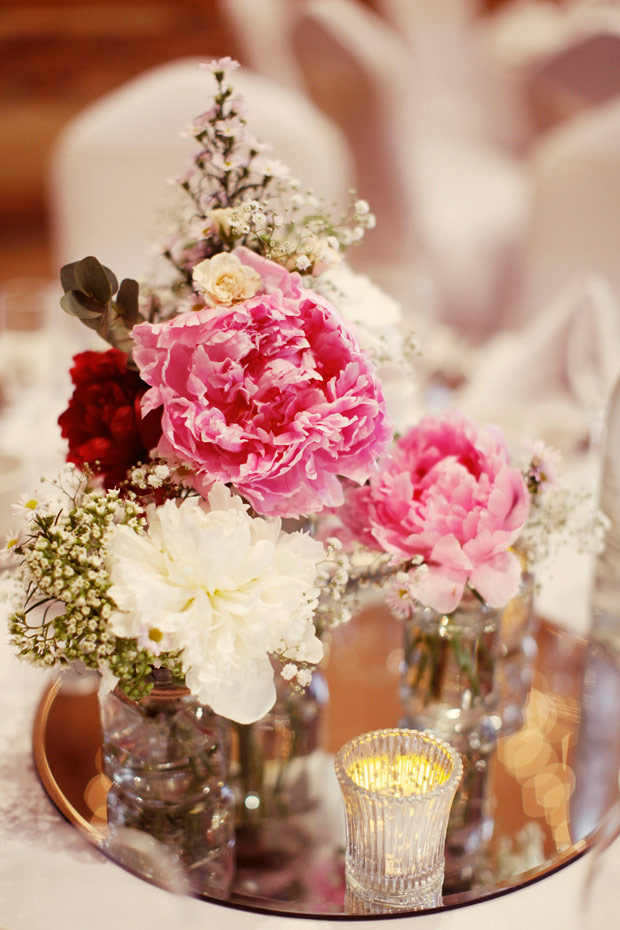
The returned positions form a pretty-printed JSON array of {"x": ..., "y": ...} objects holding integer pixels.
[
  {"x": 127, "y": 302},
  {"x": 77, "y": 304},
  {"x": 67, "y": 277},
  {"x": 93, "y": 279},
  {"x": 82, "y": 275}
]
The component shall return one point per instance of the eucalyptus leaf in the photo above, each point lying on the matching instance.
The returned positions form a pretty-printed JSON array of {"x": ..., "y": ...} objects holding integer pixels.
[
  {"x": 67, "y": 277},
  {"x": 89, "y": 288},
  {"x": 93, "y": 279},
  {"x": 127, "y": 302},
  {"x": 76, "y": 304}
]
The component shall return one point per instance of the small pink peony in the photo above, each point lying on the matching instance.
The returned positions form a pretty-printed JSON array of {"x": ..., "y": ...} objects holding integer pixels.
[
  {"x": 271, "y": 395},
  {"x": 447, "y": 493}
]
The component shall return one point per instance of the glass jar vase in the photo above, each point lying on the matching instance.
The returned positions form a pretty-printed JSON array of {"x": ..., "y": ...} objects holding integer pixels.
[
  {"x": 273, "y": 770},
  {"x": 278, "y": 776},
  {"x": 167, "y": 757},
  {"x": 518, "y": 652},
  {"x": 465, "y": 678},
  {"x": 448, "y": 682}
]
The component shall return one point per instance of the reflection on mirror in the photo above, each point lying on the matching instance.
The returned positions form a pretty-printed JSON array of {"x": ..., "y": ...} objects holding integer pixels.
[{"x": 528, "y": 807}]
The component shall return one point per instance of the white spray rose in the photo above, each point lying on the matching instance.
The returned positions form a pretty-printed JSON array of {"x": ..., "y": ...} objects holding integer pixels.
[{"x": 223, "y": 280}]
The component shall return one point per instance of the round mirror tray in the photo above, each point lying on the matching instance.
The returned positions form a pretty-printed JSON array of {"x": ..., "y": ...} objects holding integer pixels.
[{"x": 542, "y": 791}]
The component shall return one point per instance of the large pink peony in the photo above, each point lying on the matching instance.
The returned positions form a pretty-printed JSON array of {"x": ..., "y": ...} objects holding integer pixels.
[
  {"x": 271, "y": 394},
  {"x": 447, "y": 493}
]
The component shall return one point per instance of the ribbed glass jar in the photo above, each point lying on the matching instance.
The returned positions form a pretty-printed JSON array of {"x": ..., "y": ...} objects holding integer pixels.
[
  {"x": 167, "y": 757},
  {"x": 398, "y": 787}
]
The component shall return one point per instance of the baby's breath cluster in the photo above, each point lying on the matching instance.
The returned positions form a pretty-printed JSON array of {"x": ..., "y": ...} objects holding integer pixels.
[
  {"x": 238, "y": 195},
  {"x": 338, "y": 594},
  {"x": 65, "y": 609},
  {"x": 157, "y": 481},
  {"x": 152, "y": 476},
  {"x": 298, "y": 674},
  {"x": 557, "y": 518},
  {"x": 558, "y": 515}
]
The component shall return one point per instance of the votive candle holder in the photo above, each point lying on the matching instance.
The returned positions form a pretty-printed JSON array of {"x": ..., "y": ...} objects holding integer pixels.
[{"x": 398, "y": 786}]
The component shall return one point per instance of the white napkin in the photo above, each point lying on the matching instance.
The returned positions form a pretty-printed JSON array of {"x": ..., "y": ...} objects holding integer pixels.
[
  {"x": 551, "y": 380},
  {"x": 472, "y": 215}
]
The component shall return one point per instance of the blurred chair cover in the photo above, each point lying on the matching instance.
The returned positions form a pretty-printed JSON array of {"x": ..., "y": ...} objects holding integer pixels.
[
  {"x": 442, "y": 41},
  {"x": 265, "y": 39},
  {"x": 545, "y": 62},
  {"x": 358, "y": 70},
  {"x": 110, "y": 169},
  {"x": 583, "y": 73},
  {"x": 454, "y": 206},
  {"x": 552, "y": 379},
  {"x": 472, "y": 219},
  {"x": 575, "y": 177}
]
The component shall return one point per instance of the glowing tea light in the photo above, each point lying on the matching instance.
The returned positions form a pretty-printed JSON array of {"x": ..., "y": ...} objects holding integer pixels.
[
  {"x": 401, "y": 776},
  {"x": 398, "y": 787}
]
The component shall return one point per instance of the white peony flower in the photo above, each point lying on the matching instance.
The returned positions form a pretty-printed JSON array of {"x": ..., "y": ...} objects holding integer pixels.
[
  {"x": 225, "y": 589},
  {"x": 223, "y": 280}
]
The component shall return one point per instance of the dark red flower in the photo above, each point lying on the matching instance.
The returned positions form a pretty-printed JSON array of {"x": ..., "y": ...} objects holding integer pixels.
[{"x": 103, "y": 423}]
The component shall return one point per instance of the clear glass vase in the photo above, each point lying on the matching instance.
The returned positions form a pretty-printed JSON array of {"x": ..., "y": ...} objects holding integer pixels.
[
  {"x": 449, "y": 677},
  {"x": 518, "y": 651},
  {"x": 277, "y": 775},
  {"x": 466, "y": 676},
  {"x": 471, "y": 822},
  {"x": 273, "y": 770},
  {"x": 167, "y": 757}
]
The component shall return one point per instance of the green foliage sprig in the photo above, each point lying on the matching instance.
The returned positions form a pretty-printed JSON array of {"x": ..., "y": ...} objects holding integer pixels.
[{"x": 89, "y": 295}]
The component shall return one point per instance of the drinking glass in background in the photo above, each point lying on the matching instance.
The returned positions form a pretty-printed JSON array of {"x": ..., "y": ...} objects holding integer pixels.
[
  {"x": 36, "y": 346},
  {"x": 27, "y": 306}
]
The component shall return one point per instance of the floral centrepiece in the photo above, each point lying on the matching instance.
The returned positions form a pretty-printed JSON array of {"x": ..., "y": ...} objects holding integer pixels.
[
  {"x": 448, "y": 525},
  {"x": 235, "y": 393},
  {"x": 444, "y": 510}
]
